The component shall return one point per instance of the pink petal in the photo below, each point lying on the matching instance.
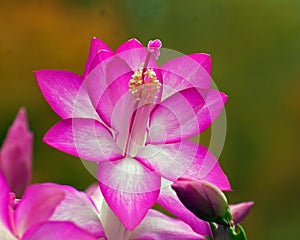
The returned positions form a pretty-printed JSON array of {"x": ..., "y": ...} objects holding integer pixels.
[
  {"x": 5, "y": 224},
  {"x": 108, "y": 79},
  {"x": 96, "y": 46},
  {"x": 184, "y": 115},
  {"x": 170, "y": 160},
  {"x": 78, "y": 208},
  {"x": 84, "y": 138},
  {"x": 57, "y": 231},
  {"x": 16, "y": 154},
  {"x": 66, "y": 93},
  {"x": 240, "y": 211},
  {"x": 135, "y": 54},
  {"x": 186, "y": 72},
  {"x": 169, "y": 200},
  {"x": 158, "y": 226},
  {"x": 206, "y": 167},
  {"x": 129, "y": 188},
  {"x": 37, "y": 205}
]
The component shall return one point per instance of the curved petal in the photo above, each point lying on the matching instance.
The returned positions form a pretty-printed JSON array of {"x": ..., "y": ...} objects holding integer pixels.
[
  {"x": 135, "y": 54},
  {"x": 156, "y": 226},
  {"x": 57, "y": 231},
  {"x": 239, "y": 211},
  {"x": 206, "y": 167},
  {"x": 186, "y": 72},
  {"x": 66, "y": 93},
  {"x": 4, "y": 206},
  {"x": 111, "y": 74},
  {"x": 96, "y": 46},
  {"x": 185, "y": 159},
  {"x": 169, "y": 200},
  {"x": 129, "y": 189},
  {"x": 84, "y": 138},
  {"x": 37, "y": 205},
  {"x": 77, "y": 207},
  {"x": 16, "y": 154},
  {"x": 184, "y": 115}
]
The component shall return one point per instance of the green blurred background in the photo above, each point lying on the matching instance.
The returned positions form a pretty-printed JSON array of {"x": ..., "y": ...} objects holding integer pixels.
[{"x": 255, "y": 46}]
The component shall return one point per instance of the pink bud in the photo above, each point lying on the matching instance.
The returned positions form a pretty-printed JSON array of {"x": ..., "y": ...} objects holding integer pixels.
[
  {"x": 204, "y": 199},
  {"x": 154, "y": 46},
  {"x": 16, "y": 154},
  {"x": 240, "y": 211}
]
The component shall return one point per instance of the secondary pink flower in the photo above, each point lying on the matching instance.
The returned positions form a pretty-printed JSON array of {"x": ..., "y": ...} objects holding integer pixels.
[
  {"x": 48, "y": 211},
  {"x": 16, "y": 154},
  {"x": 155, "y": 225},
  {"x": 134, "y": 119}
]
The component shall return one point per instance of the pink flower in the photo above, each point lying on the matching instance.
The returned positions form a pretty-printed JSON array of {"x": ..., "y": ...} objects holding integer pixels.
[
  {"x": 134, "y": 119},
  {"x": 16, "y": 154},
  {"x": 154, "y": 226},
  {"x": 48, "y": 211}
]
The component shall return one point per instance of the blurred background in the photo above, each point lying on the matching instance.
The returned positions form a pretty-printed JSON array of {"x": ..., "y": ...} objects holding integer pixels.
[{"x": 255, "y": 47}]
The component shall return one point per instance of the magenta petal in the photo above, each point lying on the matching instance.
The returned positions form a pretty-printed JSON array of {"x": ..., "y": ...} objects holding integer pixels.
[
  {"x": 78, "y": 208},
  {"x": 135, "y": 54},
  {"x": 66, "y": 93},
  {"x": 186, "y": 72},
  {"x": 112, "y": 70},
  {"x": 84, "y": 138},
  {"x": 57, "y": 231},
  {"x": 185, "y": 114},
  {"x": 16, "y": 154},
  {"x": 4, "y": 204},
  {"x": 239, "y": 211},
  {"x": 169, "y": 160},
  {"x": 158, "y": 226},
  {"x": 169, "y": 200},
  {"x": 37, "y": 205},
  {"x": 129, "y": 189},
  {"x": 206, "y": 167},
  {"x": 96, "y": 46}
]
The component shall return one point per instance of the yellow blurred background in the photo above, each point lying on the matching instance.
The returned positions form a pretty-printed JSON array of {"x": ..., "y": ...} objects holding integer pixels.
[{"x": 255, "y": 47}]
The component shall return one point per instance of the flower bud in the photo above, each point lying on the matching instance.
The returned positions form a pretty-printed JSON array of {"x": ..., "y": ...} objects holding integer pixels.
[
  {"x": 240, "y": 211},
  {"x": 16, "y": 154},
  {"x": 203, "y": 199}
]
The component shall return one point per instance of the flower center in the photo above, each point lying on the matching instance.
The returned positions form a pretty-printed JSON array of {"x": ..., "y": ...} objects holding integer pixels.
[{"x": 145, "y": 87}]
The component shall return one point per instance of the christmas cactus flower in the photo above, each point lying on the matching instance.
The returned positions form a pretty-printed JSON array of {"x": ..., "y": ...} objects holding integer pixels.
[
  {"x": 134, "y": 118},
  {"x": 48, "y": 211},
  {"x": 155, "y": 225},
  {"x": 16, "y": 154}
]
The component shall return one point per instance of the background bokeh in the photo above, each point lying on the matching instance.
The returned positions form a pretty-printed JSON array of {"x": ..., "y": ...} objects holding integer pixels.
[{"x": 255, "y": 46}]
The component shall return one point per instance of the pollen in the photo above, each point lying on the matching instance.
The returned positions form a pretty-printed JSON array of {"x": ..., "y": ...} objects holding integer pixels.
[{"x": 144, "y": 85}]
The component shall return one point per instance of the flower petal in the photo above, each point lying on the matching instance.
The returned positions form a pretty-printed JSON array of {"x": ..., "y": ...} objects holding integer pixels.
[
  {"x": 84, "y": 138},
  {"x": 16, "y": 154},
  {"x": 66, "y": 93},
  {"x": 96, "y": 46},
  {"x": 158, "y": 226},
  {"x": 37, "y": 205},
  {"x": 4, "y": 204},
  {"x": 129, "y": 188},
  {"x": 184, "y": 115},
  {"x": 133, "y": 53},
  {"x": 239, "y": 211},
  {"x": 186, "y": 72},
  {"x": 107, "y": 83},
  {"x": 57, "y": 231},
  {"x": 169, "y": 200},
  {"x": 78, "y": 208}
]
